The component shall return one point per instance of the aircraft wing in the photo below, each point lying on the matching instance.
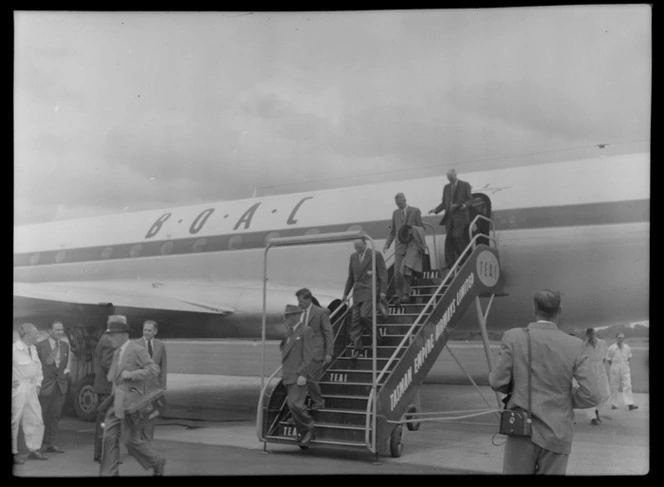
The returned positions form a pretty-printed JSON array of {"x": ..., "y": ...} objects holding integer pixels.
[{"x": 163, "y": 295}]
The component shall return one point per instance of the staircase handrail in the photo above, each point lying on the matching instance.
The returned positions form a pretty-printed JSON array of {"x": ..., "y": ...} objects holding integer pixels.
[
  {"x": 259, "y": 423},
  {"x": 450, "y": 275},
  {"x": 482, "y": 217}
]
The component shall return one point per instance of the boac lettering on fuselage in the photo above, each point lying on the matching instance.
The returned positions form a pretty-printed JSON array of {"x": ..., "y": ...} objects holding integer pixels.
[{"x": 243, "y": 222}]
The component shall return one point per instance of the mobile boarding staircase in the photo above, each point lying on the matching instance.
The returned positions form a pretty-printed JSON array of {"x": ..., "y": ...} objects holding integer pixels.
[{"x": 368, "y": 400}]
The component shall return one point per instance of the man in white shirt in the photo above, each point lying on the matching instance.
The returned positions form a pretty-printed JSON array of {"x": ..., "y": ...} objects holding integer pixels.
[
  {"x": 618, "y": 357},
  {"x": 26, "y": 381}
]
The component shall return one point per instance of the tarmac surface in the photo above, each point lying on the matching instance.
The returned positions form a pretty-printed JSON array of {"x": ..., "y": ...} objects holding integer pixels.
[{"x": 209, "y": 429}]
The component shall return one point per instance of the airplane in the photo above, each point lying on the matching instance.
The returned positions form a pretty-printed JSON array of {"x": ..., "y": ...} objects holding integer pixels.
[{"x": 579, "y": 226}]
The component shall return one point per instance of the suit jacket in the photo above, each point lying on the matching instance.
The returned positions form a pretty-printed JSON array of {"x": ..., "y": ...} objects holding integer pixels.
[
  {"x": 318, "y": 339},
  {"x": 413, "y": 218},
  {"x": 103, "y": 359},
  {"x": 557, "y": 358},
  {"x": 292, "y": 356},
  {"x": 359, "y": 276},
  {"x": 53, "y": 376},
  {"x": 159, "y": 358},
  {"x": 142, "y": 368},
  {"x": 462, "y": 196}
]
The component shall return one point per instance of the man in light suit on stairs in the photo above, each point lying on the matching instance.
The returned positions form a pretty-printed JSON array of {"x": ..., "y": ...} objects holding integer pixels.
[
  {"x": 403, "y": 215},
  {"x": 294, "y": 372},
  {"x": 359, "y": 280},
  {"x": 318, "y": 344},
  {"x": 157, "y": 351}
]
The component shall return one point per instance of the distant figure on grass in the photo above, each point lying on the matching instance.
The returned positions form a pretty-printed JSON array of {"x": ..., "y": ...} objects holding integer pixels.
[
  {"x": 596, "y": 350},
  {"x": 618, "y": 356}
]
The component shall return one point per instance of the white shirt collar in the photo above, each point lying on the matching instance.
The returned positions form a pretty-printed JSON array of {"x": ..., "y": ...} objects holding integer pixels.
[{"x": 51, "y": 341}]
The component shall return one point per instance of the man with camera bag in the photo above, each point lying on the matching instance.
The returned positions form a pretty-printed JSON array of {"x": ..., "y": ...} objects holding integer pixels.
[{"x": 556, "y": 358}]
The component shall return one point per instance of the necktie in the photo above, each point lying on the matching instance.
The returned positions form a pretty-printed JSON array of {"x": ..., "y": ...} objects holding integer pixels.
[
  {"x": 306, "y": 316},
  {"x": 403, "y": 214},
  {"x": 57, "y": 353},
  {"x": 150, "y": 348}
]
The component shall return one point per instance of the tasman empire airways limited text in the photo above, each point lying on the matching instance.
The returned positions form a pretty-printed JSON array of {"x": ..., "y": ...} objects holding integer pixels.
[{"x": 430, "y": 342}]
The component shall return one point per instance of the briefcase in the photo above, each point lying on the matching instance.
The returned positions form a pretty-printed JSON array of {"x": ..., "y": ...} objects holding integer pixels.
[{"x": 147, "y": 408}]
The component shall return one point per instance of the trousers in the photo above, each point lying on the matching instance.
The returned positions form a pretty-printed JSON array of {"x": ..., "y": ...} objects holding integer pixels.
[
  {"x": 312, "y": 383},
  {"x": 295, "y": 400},
  {"x": 360, "y": 318},
  {"x": 523, "y": 457},
  {"x": 621, "y": 375},
  {"x": 116, "y": 428},
  {"x": 456, "y": 241},
  {"x": 26, "y": 411},
  {"x": 51, "y": 406},
  {"x": 398, "y": 276}
]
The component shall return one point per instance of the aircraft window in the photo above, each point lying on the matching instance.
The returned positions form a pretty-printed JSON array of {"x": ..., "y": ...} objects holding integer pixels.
[
  {"x": 200, "y": 245},
  {"x": 34, "y": 260},
  {"x": 270, "y": 236},
  {"x": 60, "y": 257},
  {"x": 107, "y": 252},
  {"x": 354, "y": 228},
  {"x": 136, "y": 250},
  {"x": 235, "y": 242},
  {"x": 312, "y": 231},
  {"x": 167, "y": 247}
]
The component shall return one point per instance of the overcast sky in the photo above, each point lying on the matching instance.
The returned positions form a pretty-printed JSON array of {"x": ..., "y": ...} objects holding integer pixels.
[{"x": 132, "y": 111}]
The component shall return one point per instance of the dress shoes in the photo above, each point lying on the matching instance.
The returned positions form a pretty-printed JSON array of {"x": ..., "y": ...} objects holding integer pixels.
[
  {"x": 614, "y": 407},
  {"x": 632, "y": 407},
  {"x": 159, "y": 468},
  {"x": 594, "y": 421},
  {"x": 53, "y": 449},
  {"x": 35, "y": 455},
  {"x": 355, "y": 353},
  {"x": 405, "y": 299},
  {"x": 18, "y": 459},
  {"x": 307, "y": 437}
]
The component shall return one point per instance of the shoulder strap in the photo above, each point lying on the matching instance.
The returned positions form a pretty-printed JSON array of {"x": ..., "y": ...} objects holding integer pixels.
[{"x": 530, "y": 365}]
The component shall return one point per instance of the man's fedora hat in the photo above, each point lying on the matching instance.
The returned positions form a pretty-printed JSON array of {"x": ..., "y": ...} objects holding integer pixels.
[
  {"x": 292, "y": 309},
  {"x": 117, "y": 324}
]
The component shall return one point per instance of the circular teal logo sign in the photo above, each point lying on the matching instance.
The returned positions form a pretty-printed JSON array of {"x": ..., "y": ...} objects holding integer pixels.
[{"x": 488, "y": 269}]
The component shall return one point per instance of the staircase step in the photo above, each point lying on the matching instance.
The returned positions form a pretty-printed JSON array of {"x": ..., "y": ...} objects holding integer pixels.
[
  {"x": 384, "y": 351},
  {"x": 346, "y": 401},
  {"x": 340, "y": 416},
  {"x": 327, "y": 431},
  {"x": 406, "y": 318},
  {"x": 361, "y": 376},
  {"x": 361, "y": 363},
  {"x": 345, "y": 388},
  {"x": 317, "y": 441}
]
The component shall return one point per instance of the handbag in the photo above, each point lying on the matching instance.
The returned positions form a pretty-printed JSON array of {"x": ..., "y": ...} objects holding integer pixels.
[
  {"x": 517, "y": 421},
  {"x": 147, "y": 408}
]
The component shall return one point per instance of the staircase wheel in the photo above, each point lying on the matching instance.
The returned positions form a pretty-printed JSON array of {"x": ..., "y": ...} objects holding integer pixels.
[
  {"x": 396, "y": 441},
  {"x": 412, "y": 426}
]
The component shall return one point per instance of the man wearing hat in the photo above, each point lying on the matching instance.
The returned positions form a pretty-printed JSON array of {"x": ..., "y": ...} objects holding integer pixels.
[
  {"x": 403, "y": 215},
  {"x": 295, "y": 372},
  {"x": 130, "y": 372},
  {"x": 456, "y": 201},
  {"x": 359, "y": 280}
]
